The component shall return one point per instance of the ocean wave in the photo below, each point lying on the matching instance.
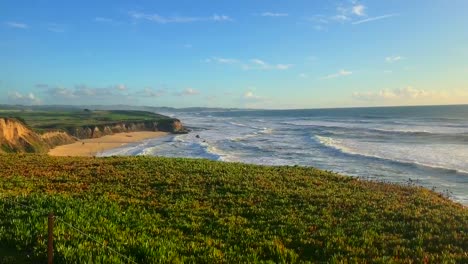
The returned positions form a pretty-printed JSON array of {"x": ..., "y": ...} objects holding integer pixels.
[
  {"x": 259, "y": 132},
  {"x": 403, "y": 131},
  {"x": 458, "y": 132},
  {"x": 266, "y": 130},
  {"x": 341, "y": 147},
  {"x": 212, "y": 152},
  {"x": 193, "y": 147},
  {"x": 238, "y": 124}
]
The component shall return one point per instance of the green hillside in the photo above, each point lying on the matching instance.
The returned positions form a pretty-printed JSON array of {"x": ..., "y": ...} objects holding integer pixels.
[
  {"x": 66, "y": 119},
  {"x": 160, "y": 210}
]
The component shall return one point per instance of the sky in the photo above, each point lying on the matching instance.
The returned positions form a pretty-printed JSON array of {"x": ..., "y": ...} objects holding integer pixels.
[{"x": 244, "y": 53}]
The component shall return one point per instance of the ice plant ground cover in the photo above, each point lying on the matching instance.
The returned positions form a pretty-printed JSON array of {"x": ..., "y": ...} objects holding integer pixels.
[{"x": 155, "y": 210}]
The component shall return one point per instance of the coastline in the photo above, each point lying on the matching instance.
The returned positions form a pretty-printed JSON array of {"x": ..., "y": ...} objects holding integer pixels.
[{"x": 93, "y": 146}]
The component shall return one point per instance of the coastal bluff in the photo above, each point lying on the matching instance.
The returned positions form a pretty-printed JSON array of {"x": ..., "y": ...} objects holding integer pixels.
[
  {"x": 16, "y": 135},
  {"x": 171, "y": 125}
]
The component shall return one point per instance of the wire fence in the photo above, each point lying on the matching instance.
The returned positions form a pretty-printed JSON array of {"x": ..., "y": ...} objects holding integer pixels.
[{"x": 81, "y": 232}]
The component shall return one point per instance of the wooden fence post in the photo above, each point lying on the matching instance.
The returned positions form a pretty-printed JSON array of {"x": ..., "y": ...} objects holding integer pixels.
[{"x": 50, "y": 240}]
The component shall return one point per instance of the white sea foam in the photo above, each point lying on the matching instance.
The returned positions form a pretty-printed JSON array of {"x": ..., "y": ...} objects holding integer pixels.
[
  {"x": 437, "y": 156},
  {"x": 238, "y": 124},
  {"x": 401, "y": 127}
]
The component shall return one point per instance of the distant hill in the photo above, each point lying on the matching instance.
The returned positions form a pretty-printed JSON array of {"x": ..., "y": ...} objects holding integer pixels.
[{"x": 112, "y": 107}]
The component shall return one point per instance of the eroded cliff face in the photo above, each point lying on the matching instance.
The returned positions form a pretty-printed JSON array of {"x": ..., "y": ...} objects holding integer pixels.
[
  {"x": 170, "y": 125},
  {"x": 17, "y": 137},
  {"x": 57, "y": 138}
]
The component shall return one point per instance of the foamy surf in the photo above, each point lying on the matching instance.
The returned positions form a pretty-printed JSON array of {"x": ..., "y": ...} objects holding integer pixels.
[{"x": 436, "y": 163}]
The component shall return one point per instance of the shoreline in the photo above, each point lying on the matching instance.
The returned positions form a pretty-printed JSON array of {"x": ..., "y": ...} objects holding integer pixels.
[{"x": 93, "y": 146}]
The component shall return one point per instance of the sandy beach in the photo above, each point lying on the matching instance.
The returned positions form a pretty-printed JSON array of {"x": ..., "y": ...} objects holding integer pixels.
[{"x": 93, "y": 146}]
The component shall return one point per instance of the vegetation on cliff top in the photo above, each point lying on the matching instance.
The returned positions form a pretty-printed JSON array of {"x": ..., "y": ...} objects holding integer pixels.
[
  {"x": 199, "y": 211},
  {"x": 42, "y": 121}
]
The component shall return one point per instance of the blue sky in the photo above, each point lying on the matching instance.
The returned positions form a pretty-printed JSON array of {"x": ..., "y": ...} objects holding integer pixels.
[{"x": 260, "y": 54}]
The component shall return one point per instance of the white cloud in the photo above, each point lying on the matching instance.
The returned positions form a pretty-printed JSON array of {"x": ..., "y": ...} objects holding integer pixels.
[
  {"x": 343, "y": 14},
  {"x": 283, "y": 66},
  {"x": 177, "y": 19},
  {"x": 86, "y": 91},
  {"x": 61, "y": 92},
  {"x": 188, "y": 92},
  {"x": 17, "y": 25},
  {"x": 392, "y": 59},
  {"x": 411, "y": 92},
  {"x": 250, "y": 99},
  {"x": 340, "y": 73},
  {"x": 271, "y": 14},
  {"x": 303, "y": 75},
  {"x": 221, "y": 60},
  {"x": 319, "y": 19},
  {"x": 359, "y": 10},
  {"x": 249, "y": 95},
  {"x": 252, "y": 64},
  {"x": 27, "y": 99},
  {"x": 347, "y": 12},
  {"x": 320, "y": 22},
  {"x": 412, "y": 96},
  {"x": 121, "y": 87},
  {"x": 401, "y": 94},
  {"x": 83, "y": 91},
  {"x": 148, "y": 92},
  {"x": 257, "y": 64},
  {"x": 340, "y": 18},
  {"x": 354, "y": 13},
  {"x": 216, "y": 17},
  {"x": 370, "y": 19},
  {"x": 84, "y": 94}
]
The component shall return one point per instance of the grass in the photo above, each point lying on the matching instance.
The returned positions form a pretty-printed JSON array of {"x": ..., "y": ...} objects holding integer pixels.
[
  {"x": 64, "y": 120},
  {"x": 159, "y": 210}
]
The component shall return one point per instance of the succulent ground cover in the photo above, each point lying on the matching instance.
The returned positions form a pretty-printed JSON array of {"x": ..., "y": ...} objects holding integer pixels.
[{"x": 160, "y": 210}]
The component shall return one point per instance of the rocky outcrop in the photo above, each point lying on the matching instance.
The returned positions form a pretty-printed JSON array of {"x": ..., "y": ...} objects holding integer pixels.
[
  {"x": 175, "y": 126},
  {"x": 165, "y": 125}
]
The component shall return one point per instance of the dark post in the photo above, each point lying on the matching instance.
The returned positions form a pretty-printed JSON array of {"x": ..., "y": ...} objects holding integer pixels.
[{"x": 50, "y": 240}]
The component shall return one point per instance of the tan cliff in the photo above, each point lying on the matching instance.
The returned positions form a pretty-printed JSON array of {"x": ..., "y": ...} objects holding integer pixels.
[
  {"x": 57, "y": 138},
  {"x": 170, "y": 125},
  {"x": 15, "y": 136}
]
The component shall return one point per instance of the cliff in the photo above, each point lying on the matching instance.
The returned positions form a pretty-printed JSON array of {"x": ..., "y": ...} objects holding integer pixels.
[
  {"x": 57, "y": 138},
  {"x": 15, "y": 136},
  {"x": 168, "y": 125}
]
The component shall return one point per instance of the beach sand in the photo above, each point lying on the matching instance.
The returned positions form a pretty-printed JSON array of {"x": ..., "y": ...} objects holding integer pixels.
[{"x": 93, "y": 146}]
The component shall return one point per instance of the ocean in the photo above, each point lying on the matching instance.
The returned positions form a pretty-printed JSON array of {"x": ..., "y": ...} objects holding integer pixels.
[{"x": 425, "y": 145}]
